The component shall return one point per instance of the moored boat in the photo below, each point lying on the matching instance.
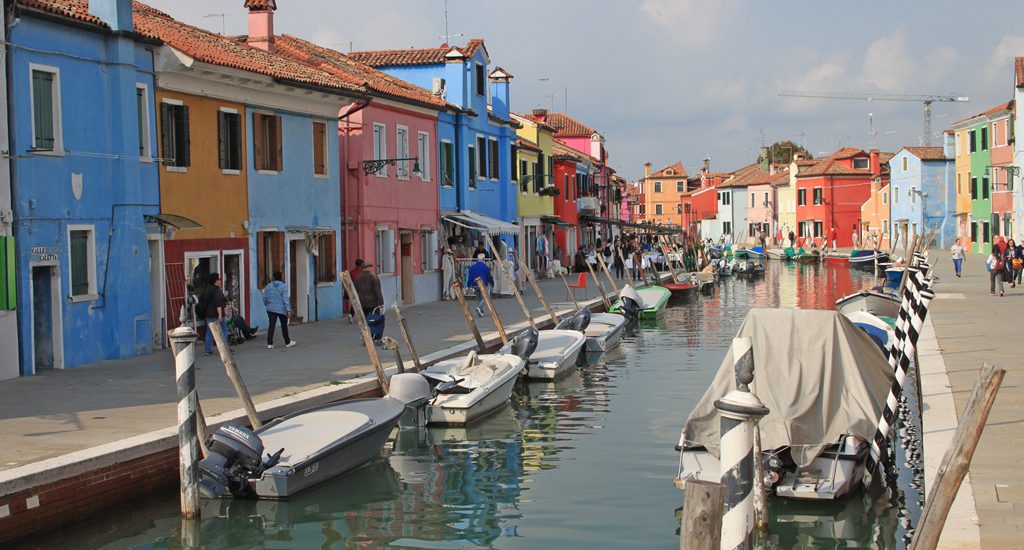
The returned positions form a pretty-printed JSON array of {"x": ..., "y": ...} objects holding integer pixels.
[
  {"x": 880, "y": 330},
  {"x": 604, "y": 331},
  {"x": 650, "y": 299},
  {"x": 679, "y": 289},
  {"x": 756, "y": 252},
  {"x": 776, "y": 254},
  {"x": 557, "y": 352},
  {"x": 874, "y": 302},
  {"x": 894, "y": 274},
  {"x": 837, "y": 258},
  {"x": 808, "y": 257},
  {"x": 867, "y": 258}
]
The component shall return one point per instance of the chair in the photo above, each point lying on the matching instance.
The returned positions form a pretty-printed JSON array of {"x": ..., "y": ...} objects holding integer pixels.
[{"x": 581, "y": 282}]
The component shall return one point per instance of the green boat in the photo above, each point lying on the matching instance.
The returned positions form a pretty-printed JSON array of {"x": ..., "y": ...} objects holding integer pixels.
[
  {"x": 650, "y": 300},
  {"x": 811, "y": 257}
]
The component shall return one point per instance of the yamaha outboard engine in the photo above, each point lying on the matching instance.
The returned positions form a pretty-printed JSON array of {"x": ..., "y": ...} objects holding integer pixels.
[
  {"x": 413, "y": 391},
  {"x": 631, "y": 303},
  {"x": 525, "y": 344},
  {"x": 236, "y": 455},
  {"x": 578, "y": 322}
]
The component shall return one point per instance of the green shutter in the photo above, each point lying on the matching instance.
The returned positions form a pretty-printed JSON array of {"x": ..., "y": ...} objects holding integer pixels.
[
  {"x": 472, "y": 166},
  {"x": 42, "y": 109},
  {"x": 79, "y": 263},
  {"x": 8, "y": 293}
]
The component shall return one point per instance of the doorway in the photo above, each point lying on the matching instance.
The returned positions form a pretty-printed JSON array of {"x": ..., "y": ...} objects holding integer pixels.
[
  {"x": 47, "y": 337},
  {"x": 407, "y": 275},
  {"x": 298, "y": 278},
  {"x": 234, "y": 288},
  {"x": 157, "y": 304}
]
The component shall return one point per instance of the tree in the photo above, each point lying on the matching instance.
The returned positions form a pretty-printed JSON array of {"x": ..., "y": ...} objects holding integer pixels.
[{"x": 781, "y": 152}]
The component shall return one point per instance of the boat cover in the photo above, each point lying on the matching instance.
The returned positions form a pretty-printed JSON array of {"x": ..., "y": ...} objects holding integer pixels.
[{"x": 819, "y": 375}]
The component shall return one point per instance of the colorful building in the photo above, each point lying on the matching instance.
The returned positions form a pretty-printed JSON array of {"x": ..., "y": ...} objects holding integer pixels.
[
  {"x": 923, "y": 180},
  {"x": 874, "y": 218},
  {"x": 977, "y": 138},
  {"x": 1017, "y": 129},
  {"x": 10, "y": 365},
  {"x": 537, "y": 189},
  {"x": 786, "y": 197},
  {"x": 830, "y": 193},
  {"x": 82, "y": 136},
  {"x": 662, "y": 190},
  {"x": 700, "y": 205},
  {"x": 572, "y": 176},
  {"x": 962, "y": 170}
]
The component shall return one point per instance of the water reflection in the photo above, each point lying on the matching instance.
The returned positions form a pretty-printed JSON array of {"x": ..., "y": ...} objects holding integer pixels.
[{"x": 582, "y": 462}]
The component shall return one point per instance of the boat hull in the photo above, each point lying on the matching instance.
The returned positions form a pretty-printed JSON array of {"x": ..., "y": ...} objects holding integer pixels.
[
  {"x": 604, "y": 332},
  {"x": 654, "y": 297},
  {"x": 489, "y": 395},
  {"x": 875, "y": 303},
  {"x": 775, "y": 254},
  {"x": 495, "y": 398},
  {"x": 556, "y": 354}
]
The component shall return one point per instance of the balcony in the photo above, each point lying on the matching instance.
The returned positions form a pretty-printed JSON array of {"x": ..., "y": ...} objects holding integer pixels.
[{"x": 588, "y": 205}]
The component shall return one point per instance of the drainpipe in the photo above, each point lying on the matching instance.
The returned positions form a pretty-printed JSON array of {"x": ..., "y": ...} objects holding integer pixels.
[{"x": 345, "y": 115}]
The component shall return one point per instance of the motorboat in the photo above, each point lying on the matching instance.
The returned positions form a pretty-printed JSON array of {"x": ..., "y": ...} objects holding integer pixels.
[
  {"x": 650, "y": 300},
  {"x": 875, "y": 302},
  {"x": 837, "y": 258},
  {"x": 776, "y": 254},
  {"x": 740, "y": 253},
  {"x": 556, "y": 353},
  {"x": 756, "y": 252},
  {"x": 880, "y": 330},
  {"x": 867, "y": 258},
  {"x": 680, "y": 289},
  {"x": 812, "y": 449},
  {"x": 723, "y": 267},
  {"x": 603, "y": 330},
  {"x": 894, "y": 274},
  {"x": 471, "y": 387},
  {"x": 808, "y": 257},
  {"x": 313, "y": 445},
  {"x": 792, "y": 253},
  {"x": 749, "y": 268}
]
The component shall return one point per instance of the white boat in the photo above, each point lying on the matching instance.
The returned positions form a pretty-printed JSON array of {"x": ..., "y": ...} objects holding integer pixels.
[
  {"x": 603, "y": 330},
  {"x": 557, "y": 352},
  {"x": 469, "y": 388},
  {"x": 876, "y": 303},
  {"x": 775, "y": 254},
  {"x": 877, "y": 328},
  {"x": 807, "y": 454}
]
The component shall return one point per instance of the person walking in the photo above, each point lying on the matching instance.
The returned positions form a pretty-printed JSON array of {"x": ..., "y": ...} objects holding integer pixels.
[
  {"x": 279, "y": 308},
  {"x": 996, "y": 266},
  {"x": 856, "y": 238},
  {"x": 480, "y": 271},
  {"x": 617, "y": 265},
  {"x": 834, "y": 238},
  {"x": 1018, "y": 264},
  {"x": 212, "y": 302},
  {"x": 353, "y": 273},
  {"x": 792, "y": 239},
  {"x": 957, "y": 253},
  {"x": 1013, "y": 263},
  {"x": 368, "y": 289}
]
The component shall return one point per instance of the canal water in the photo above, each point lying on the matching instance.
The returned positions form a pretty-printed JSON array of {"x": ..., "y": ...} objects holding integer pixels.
[{"x": 584, "y": 462}]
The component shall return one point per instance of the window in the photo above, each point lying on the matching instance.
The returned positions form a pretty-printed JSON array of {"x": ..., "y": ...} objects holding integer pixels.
[
  {"x": 269, "y": 255},
  {"x": 885, "y": 198},
  {"x": 82, "y": 260},
  {"x": 386, "y": 250},
  {"x": 885, "y": 227},
  {"x": 229, "y": 139},
  {"x": 903, "y": 163},
  {"x": 974, "y": 189},
  {"x": 984, "y": 138},
  {"x": 751, "y": 229},
  {"x": 818, "y": 229},
  {"x": 494, "y": 164},
  {"x": 765, "y": 203},
  {"x": 423, "y": 154},
  {"x": 818, "y": 198},
  {"x": 657, "y": 187},
  {"x": 998, "y": 137},
  {"x": 380, "y": 147},
  {"x": 541, "y": 181},
  {"x": 895, "y": 195},
  {"x": 523, "y": 172},
  {"x": 958, "y": 187},
  {"x": 174, "y": 134},
  {"x": 679, "y": 208},
  {"x": 913, "y": 195},
  {"x": 801, "y": 197},
  {"x": 267, "y": 154},
  {"x": 985, "y": 233},
  {"x": 481, "y": 79},
  {"x": 726, "y": 227},
  {"x": 860, "y": 163},
  {"x": 447, "y": 164},
  {"x": 727, "y": 198},
  {"x": 658, "y": 210},
  {"x": 142, "y": 114},
  {"x": 471, "y": 155},
  {"x": 8, "y": 292},
  {"x": 565, "y": 184},
  {"x": 326, "y": 263},
  {"x": 680, "y": 187},
  {"x": 402, "y": 151},
  {"x": 973, "y": 144},
  {"x": 428, "y": 250},
  {"x": 537, "y": 181},
  {"x": 984, "y": 187},
  {"x": 513, "y": 165},
  {"x": 752, "y": 200},
  {"x": 481, "y": 161},
  {"x": 956, "y": 142},
  {"x": 320, "y": 149},
  {"x": 46, "y": 120}
]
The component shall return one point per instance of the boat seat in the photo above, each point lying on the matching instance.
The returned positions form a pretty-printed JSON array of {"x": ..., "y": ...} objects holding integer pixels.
[{"x": 303, "y": 435}]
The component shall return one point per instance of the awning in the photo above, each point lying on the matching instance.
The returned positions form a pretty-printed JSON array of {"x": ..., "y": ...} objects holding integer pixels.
[
  {"x": 665, "y": 229},
  {"x": 555, "y": 220},
  {"x": 479, "y": 222},
  {"x": 173, "y": 220}
]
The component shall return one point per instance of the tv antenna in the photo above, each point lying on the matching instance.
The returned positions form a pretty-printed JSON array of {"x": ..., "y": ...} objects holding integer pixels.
[
  {"x": 447, "y": 36},
  {"x": 223, "y": 29}
]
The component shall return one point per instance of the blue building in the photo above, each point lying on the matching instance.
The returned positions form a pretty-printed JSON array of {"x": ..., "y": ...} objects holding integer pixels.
[
  {"x": 85, "y": 182},
  {"x": 923, "y": 192},
  {"x": 475, "y": 143}
]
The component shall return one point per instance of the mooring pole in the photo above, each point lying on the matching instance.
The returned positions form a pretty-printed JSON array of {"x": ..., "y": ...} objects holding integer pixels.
[
  {"x": 739, "y": 410},
  {"x": 604, "y": 267},
  {"x": 184, "y": 340},
  {"x": 457, "y": 289},
  {"x": 600, "y": 287},
  {"x": 568, "y": 291},
  {"x": 540, "y": 295},
  {"x": 236, "y": 378},
  {"x": 405, "y": 336},
  {"x": 519, "y": 297},
  {"x": 494, "y": 312},
  {"x": 701, "y": 525},
  {"x": 364, "y": 329},
  {"x": 390, "y": 343}
]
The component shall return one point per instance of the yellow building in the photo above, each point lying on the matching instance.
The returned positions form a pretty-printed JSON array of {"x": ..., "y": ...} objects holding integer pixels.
[
  {"x": 533, "y": 173},
  {"x": 962, "y": 164},
  {"x": 661, "y": 191}
]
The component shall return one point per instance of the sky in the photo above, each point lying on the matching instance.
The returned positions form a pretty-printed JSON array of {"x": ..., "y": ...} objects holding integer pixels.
[{"x": 681, "y": 80}]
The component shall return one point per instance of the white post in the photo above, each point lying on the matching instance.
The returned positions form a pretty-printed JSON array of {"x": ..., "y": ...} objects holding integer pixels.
[
  {"x": 739, "y": 410},
  {"x": 184, "y": 339}
]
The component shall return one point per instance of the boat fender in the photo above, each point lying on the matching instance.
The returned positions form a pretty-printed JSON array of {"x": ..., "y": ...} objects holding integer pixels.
[{"x": 525, "y": 343}]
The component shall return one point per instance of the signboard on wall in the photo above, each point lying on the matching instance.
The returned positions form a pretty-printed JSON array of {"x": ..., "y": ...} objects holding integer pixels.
[{"x": 44, "y": 254}]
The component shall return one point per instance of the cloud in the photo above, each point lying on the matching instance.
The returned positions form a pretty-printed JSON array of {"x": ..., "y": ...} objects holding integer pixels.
[
  {"x": 695, "y": 22},
  {"x": 999, "y": 68}
]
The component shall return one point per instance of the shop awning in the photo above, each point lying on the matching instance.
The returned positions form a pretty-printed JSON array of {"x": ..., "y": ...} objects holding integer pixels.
[
  {"x": 479, "y": 222},
  {"x": 173, "y": 220},
  {"x": 665, "y": 229},
  {"x": 555, "y": 220}
]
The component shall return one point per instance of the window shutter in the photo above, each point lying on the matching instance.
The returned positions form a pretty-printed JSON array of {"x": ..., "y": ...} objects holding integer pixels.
[
  {"x": 236, "y": 141},
  {"x": 186, "y": 138},
  {"x": 79, "y": 263},
  {"x": 319, "y": 133},
  {"x": 259, "y": 134},
  {"x": 166, "y": 131},
  {"x": 279, "y": 158},
  {"x": 261, "y": 260},
  {"x": 223, "y": 140},
  {"x": 278, "y": 240}
]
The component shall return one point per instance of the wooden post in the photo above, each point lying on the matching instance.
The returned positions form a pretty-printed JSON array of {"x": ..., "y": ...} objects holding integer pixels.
[
  {"x": 364, "y": 328},
  {"x": 957, "y": 459},
  {"x": 234, "y": 375},
  {"x": 457, "y": 288},
  {"x": 703, "y": 502},
  {"x": 405, "y": 336},
  {"x": 600, "y": 287},
  {"x": 494, "y": 312},
  {"x": 519, "y": 297},
  {"x": 604, "y": 267},
  {"x": 569, "y": 292},
  {"x": 668, "y": 262},
  {"x": 201, "y": 430},
  {"x": 390, "y": 343},
  {"x": 906, "y": 266},
  {"x": 540, "y": 295},
  {"x": 760, "y": 495},
  {"x": 183, "y": 341}
]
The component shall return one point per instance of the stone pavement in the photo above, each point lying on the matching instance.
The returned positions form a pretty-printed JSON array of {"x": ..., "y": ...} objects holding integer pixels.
[
  {"x": 973, "y": 328},
  {"x": 68, "y": 410}
]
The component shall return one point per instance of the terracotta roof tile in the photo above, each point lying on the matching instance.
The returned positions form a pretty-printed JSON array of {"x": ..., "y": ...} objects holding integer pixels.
[
  {"x": 414, "y": 56},
  {"x": 1018, "y": 69},
  {"x": 260, "y": 4},
  {"x": 212, "y": 48},
  {"x": 677, "y": 171},
  {"x": 71, "y": 9},
  {"x": 566, "y": 126},
  {"x": 996, "y": 109},
  {"x": 352, "y": 71},
  {"x": 927, "y": 153}
]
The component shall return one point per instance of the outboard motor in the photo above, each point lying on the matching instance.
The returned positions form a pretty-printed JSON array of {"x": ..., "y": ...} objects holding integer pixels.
[
  {"x": 413, "y": 391},
  {"x": 578, "y": 322},
  {"x": 632, "y": 303},
  {"x": 235, "y": 457},
  {"x": 525, "y": 344}
]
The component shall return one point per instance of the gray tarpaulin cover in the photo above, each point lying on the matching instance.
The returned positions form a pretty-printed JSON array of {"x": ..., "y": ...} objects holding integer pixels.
[{"x": 818, "y": 374}]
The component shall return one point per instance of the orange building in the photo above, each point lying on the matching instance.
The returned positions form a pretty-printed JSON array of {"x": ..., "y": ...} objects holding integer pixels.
[
  {"x": 661, "y": 191},
  {"x": 874, "y": 218}
]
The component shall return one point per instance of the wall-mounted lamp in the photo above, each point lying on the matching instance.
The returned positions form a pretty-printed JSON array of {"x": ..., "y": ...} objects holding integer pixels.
[{"x": 374, "y": 166}]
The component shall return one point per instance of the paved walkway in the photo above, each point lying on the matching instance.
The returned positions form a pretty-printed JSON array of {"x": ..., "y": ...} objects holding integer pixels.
[
  {"x": 974, "y": 328},
  {"x": 68, "y": 410}
]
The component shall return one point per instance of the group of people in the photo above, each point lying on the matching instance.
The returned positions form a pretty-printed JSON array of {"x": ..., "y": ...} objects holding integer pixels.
[
  {"x": 1005, "y": 264},
  {"x": 214, "y": 308}
]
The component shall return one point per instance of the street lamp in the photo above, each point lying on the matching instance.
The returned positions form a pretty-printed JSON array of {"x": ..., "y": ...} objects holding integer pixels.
[
  {"x": 1011, "y": 171},
  {"x": 374, "y": 166}
]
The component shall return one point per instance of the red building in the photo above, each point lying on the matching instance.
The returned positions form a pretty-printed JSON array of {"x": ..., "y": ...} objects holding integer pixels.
[
  {"x": 701, "y": 202},
  {"x": 570, "y": 171},
  {"x": 830, "y": 193}
]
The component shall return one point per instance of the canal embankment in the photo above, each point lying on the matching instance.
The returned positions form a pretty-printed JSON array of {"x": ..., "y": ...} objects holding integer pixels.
[{"x": 84, "y": 439}]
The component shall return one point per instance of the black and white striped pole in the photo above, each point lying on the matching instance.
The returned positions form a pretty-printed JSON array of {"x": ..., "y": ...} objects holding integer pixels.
[
  {"x": 739, "y": 410},
  {"x": 183, "y": 340}
]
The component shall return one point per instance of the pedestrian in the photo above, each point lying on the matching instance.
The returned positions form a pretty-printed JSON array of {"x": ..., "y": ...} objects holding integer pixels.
[
  {"x": 856, "y": 238},
  {"x": 617, "y": 265},
  {"x": 480, "y": 271},
  {"x": 1013, "y": 262},
  {"x": 353, "y": 273},
  {"x": 279, "y": 308},
  {"x": 368, "y": 289},
  {"x": 792, "y": 239},
  {"x": 1018, "y": 263},
  {"x": 996, "y": 267},
  {"x": 833, "y": 236},
  {"x": 957, "y": 252},
  {"x": 764, "y": 241},
  {"x": 212, "y": 302}
]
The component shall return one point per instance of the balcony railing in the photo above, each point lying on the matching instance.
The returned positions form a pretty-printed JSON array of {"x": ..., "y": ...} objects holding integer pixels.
[{"x": 588, "y": 205}]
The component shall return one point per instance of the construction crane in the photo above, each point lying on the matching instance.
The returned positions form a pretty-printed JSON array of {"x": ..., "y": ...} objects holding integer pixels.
[{"x": 927, "y": 100}]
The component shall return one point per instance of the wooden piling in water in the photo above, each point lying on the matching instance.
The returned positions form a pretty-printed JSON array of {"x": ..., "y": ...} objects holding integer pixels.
[
  {"x": 184, "y": 340},
  {"x": 540, "y": 295},
  {"x": 236, "y": 378},
  {"x": 404, "y": 328},
  {"x": 364, "y": 329},
  {"x": 457, "y": 289},
  {"x": 703, "y": 504},
  {"x": 604, "y": 267},
  {"x": 494, "y": 312},
  {"x": 568, "y": 291},
  {"x": 390, "y": 343},
  {"x": 519, "y": 297},
  {"x": 600, "y": 287}
]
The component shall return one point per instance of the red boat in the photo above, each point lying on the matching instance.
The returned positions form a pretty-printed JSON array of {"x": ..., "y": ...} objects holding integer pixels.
[
  {"x": 679, "y": 288},
  {"x": 837, "y": 259}
]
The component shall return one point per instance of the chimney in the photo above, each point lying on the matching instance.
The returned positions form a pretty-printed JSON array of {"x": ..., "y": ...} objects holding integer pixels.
[
  {"x": 707, "y": 165},
  {"x": 647, "y": 170},
  {"x": 799, "y": 155},
  {"x": 948, "y": 144},
  {"x": 540, "y": 115},
  {"x": 500, "y": 93},
  {"x": 116, "y": 13},
  {"x": 765, "y": 161},
  {"x": 876, "y": 165},
  {"x": 261, "y": 24}
]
